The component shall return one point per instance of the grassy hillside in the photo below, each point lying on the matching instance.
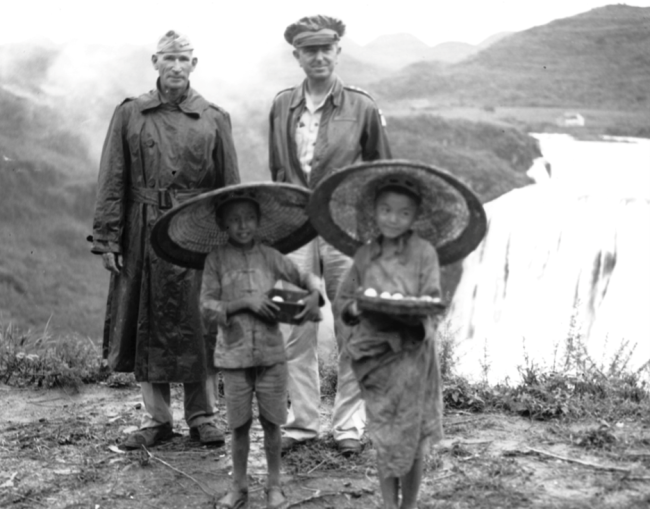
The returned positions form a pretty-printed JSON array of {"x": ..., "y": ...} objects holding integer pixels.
[
  {"x": 492, "y": 160},
  {"x": 598, "y": 59},
  {"x": 46, "y": 271}
]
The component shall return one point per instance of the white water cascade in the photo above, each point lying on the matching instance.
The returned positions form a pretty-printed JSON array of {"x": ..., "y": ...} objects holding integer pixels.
[{"x": 566, "y": 257}]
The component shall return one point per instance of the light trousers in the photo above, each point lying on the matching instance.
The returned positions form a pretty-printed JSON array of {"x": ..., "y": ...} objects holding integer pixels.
[
  {"x": 348, "y": 417},
  {"x": 198, "y": 402}
]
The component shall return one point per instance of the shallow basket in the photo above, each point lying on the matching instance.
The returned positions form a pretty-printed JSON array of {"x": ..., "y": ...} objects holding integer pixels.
[
  {"x": 400, "y": 307},
  {"x": 290, "y": 307}
]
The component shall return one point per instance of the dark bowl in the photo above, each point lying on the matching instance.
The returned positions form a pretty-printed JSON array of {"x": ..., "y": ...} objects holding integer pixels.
[{"x": 290, "y": 307}]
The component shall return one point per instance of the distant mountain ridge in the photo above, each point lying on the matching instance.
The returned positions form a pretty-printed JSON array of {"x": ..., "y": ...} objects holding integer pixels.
[
  {"x": 596, "y": 59},
  {"x": 396, "y": 51},
  {"x": 362, "y": 65}
]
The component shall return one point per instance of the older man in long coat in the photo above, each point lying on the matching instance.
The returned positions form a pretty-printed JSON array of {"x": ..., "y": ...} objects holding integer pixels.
[{"x": 162, "y": 148}]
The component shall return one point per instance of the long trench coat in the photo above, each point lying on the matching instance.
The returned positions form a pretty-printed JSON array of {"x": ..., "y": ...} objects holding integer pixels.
[{"x": 153, "y": 323}]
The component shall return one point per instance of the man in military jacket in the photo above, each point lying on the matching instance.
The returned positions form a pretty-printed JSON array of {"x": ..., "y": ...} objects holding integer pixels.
[
  {"x": 161, "y": 148},
  {"x": 315, "y": 128}
]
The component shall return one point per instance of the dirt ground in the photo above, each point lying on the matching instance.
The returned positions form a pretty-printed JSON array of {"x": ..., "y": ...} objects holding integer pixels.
[{"x": 59, "y": 450}]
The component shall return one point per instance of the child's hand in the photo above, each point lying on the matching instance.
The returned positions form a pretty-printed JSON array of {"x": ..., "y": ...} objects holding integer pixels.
[
  {"x": 263, "y": 306},
  {"x": 310, "y": 313},
  {"x": 351, "y": 313}
]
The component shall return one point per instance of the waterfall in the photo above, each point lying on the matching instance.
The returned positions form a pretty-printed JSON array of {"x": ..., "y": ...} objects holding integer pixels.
[{"x": 565, "y": 259}]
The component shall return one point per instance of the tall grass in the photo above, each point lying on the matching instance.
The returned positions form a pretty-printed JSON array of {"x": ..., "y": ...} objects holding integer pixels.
[
  {"x": 573, "y": 386},
  {"x": 29, "y": 358}
]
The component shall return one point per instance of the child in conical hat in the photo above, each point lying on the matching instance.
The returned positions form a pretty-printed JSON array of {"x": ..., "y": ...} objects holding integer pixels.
[
  {"x": 382, "y": 209},
  {"x": 242, "y": 229},
  {"x": 393, "y": 357}
]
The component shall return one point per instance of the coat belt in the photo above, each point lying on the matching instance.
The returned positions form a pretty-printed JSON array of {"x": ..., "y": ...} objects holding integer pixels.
[{"x": 163, "y": 198}]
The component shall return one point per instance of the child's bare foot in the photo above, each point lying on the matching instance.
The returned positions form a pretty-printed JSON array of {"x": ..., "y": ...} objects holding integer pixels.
[
  {"x": 234, "y": 499},
  {"x": 275, "y": 498}
]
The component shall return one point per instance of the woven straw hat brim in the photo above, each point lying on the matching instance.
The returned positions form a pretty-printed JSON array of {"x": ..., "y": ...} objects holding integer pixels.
[
  {"x": 451, "y": 216},
  {"x": 186, "y": 234}
]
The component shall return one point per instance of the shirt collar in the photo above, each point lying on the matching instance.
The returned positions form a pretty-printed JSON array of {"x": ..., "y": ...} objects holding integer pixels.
[
  {"x": 298, "y": 94},
  {"x": 402, "y": 243},
  {"x": 253, "y": 247},
  {"x": 191, "y": 103},
  {"x": 319, "y": 106}
]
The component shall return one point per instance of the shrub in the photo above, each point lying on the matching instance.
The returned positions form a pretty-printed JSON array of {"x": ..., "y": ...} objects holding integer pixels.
[
  {"x": 574, "y": 386},
  {"x": 28, "y": 358}
]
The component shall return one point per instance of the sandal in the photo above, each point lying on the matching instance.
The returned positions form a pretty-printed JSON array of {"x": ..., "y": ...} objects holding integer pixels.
[
  {"x": 235, "y": 499},
  {"x": 275, "y": 498}
]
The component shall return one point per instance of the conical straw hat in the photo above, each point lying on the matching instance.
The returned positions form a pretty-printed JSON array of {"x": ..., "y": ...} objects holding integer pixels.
[
  {"x": 187, "y": 233},
  {"x": 451, "y": 216}
]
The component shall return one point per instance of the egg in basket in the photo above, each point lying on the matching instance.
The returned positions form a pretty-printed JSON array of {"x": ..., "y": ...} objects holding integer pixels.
[{"x": 397, "y": 303}]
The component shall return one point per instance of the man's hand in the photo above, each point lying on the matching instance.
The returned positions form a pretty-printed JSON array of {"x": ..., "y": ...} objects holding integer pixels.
[
  {"x": 310, "y": 313},
  {"x": 112, "y": 262},
  {"x": 263, "y": 306}
]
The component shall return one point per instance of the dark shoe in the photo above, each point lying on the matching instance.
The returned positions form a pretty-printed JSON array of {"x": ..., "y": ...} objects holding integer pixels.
[
  {"x": 349, "y": 446},
  {"x": 148, "y": 436},
  {"x": 208, "y": 434},
  {"x": 289, "y": 443},
  {"x": 233, "y": 500},
  {"x": 275, "y": 498}
]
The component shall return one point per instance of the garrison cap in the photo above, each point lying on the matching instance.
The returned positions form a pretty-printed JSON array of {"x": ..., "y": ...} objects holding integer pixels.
[
  {"x": 173, "y": 42},
  {"x": 314, "y": 31}
]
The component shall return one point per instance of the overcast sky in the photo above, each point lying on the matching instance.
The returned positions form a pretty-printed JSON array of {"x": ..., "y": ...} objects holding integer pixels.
[
  {"x": 243, "y": 26},
  {"x": 233, "y": 37}
]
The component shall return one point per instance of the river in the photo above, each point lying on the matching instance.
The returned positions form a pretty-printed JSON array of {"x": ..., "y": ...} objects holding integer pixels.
[{"x": 563, "y": 274}]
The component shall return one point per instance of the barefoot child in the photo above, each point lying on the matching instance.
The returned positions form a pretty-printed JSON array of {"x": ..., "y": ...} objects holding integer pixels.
[
  {"x": 237, "y": 276},
  {"x": 250, "y": 348},
  {"x": 394, "y": 359},
  {"x": 393, "y": 356}
]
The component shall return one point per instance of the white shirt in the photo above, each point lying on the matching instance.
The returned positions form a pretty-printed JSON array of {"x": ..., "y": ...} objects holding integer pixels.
[{"x": 307, "y": 130}]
